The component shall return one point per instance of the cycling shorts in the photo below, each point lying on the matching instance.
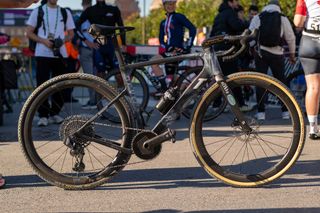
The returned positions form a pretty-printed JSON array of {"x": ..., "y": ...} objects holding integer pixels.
[{"x": 309, "y": 54}]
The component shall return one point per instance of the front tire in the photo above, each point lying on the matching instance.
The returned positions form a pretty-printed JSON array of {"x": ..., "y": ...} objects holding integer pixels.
[{"x": 260, "y": 157}]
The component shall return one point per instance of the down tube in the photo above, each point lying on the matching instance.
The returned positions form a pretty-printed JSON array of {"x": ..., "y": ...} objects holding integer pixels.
[{"x": 192, "y": 90}]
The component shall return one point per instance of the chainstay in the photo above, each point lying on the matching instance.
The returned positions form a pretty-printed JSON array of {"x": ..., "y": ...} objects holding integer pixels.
[
  {"x": 119, "y": 127},
  {"x": 127, "y": 128}
]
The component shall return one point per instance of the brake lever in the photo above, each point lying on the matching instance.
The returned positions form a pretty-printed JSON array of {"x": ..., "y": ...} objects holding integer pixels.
[{"x": 231, "y": 57}]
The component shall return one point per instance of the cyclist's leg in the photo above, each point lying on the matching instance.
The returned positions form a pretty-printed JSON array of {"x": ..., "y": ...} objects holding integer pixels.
[
  {"x": 312, "y": 100},
  {"x": 159, "y": 73},
  {"x": 309, "y": 56},
  {"x": 171, "y": 70}
]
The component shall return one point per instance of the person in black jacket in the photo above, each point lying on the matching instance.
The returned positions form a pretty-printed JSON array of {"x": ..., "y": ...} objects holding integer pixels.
[
  {"x": 227, "y": 22},
  {"x": 102, "y": 14}
]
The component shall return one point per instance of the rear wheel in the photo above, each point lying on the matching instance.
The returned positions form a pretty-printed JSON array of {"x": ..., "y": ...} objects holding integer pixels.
[
  {"x": 249, "y": 159},
  {"x": 58, "y": 155}
]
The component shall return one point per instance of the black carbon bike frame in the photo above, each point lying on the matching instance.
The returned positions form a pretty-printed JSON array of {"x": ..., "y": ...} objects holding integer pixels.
[{"x": 211, "y": 72}]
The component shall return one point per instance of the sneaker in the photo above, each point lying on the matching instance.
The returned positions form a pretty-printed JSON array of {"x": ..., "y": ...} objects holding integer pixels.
[
  {"x": 56, "y": 119},
  {"x": 314, "y": 136},
  {"x": 43, "y": 121},
  {"x": 246, "y": 108},
  {"x": 89, "y": 106},
  {"x": 260, "y": 116},
  {"x": 285, "y": 115}
]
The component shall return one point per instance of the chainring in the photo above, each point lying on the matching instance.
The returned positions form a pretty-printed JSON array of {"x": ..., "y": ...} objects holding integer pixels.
[{"x": 143, "y": 152}]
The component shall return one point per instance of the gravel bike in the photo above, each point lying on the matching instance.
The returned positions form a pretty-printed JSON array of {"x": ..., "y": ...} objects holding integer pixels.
[{"x": 85, "y": 150}]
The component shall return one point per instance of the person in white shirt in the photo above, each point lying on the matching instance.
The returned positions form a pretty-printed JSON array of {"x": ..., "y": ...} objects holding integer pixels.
[
  {"x": 50, "y": 59},
  {"x": 271, "y": 56}
]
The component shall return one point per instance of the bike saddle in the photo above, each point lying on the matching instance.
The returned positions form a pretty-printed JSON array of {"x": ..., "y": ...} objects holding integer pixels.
[{"x": 103, "y": 30}]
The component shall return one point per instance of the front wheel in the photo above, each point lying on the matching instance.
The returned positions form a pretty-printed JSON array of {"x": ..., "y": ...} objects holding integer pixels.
[
  {"x": 65, "y": 159},
  {"x": 249, "y": 159}
]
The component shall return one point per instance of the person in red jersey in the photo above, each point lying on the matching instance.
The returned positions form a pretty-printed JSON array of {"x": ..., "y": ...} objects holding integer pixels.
[{"x": 307, "y": 18}]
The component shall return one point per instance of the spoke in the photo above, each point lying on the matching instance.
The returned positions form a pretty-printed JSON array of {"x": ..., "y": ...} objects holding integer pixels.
[
  {"x": 53, "y": 152},
  {"x": 96, "y": 158},
  {"x": 37, "y": 148},
  {"x": 253, "y": 151},
  {"x": 90, "y": 158},
  {"x": 259, "y": 139},
  {"x": 263, "y": 96},
  {"x": 243, "y": 156},
  {"x": 248, "y": 151},
  {"x": 72, "y": 163},
  {"x": 65, "y": 156},
  {"x": 54, "y": 102},
  {"x": 221, "y": 147},
  {"x": 276, "y": 134},
  {"x": 219, "y": 141},
  {"x": 261, "y": 146},
  {"x": 58, "y": 158},
  {"x": 269, "y": 142},
  {"x": 234, "y": 140},
  {"x": 238, "y": 154},
  {"x": 102, "y": 151}
]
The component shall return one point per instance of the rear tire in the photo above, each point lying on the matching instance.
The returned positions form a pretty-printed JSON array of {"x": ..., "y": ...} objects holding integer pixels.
[{"x": 61, "y": 166}]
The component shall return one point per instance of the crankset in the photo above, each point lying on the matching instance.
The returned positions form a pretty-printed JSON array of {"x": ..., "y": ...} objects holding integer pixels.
[{"x": 141, "y": 150}]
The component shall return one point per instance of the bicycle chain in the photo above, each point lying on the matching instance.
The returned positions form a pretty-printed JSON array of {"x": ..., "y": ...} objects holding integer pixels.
[{"x": 126, "y": 128}]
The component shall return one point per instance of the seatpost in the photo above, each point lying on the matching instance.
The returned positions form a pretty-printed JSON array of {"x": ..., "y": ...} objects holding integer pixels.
[{"x": 118, "y": 53}]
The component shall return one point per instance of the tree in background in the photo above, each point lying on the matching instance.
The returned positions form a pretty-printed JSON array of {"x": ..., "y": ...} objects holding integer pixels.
[{"x": 200, "y": 12}]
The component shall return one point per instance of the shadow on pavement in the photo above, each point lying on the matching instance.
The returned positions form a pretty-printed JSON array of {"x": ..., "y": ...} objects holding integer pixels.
[
  {"x": 166, "y": 178},
  {"x": 282, "y": 210},
  {"x": 23, "y": 181}
]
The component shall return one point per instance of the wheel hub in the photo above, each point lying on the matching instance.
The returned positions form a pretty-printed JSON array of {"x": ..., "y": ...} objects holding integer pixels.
[{"x": 243, "y": 135}]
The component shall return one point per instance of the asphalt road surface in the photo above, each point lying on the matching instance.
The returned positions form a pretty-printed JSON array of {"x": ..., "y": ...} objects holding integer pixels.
[{"x": 173, "y": 182}]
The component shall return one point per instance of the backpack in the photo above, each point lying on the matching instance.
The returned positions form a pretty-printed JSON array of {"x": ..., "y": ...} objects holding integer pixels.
[
  {"x": 33, "y": 44},
  {"x": 270, "y": 29}
]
